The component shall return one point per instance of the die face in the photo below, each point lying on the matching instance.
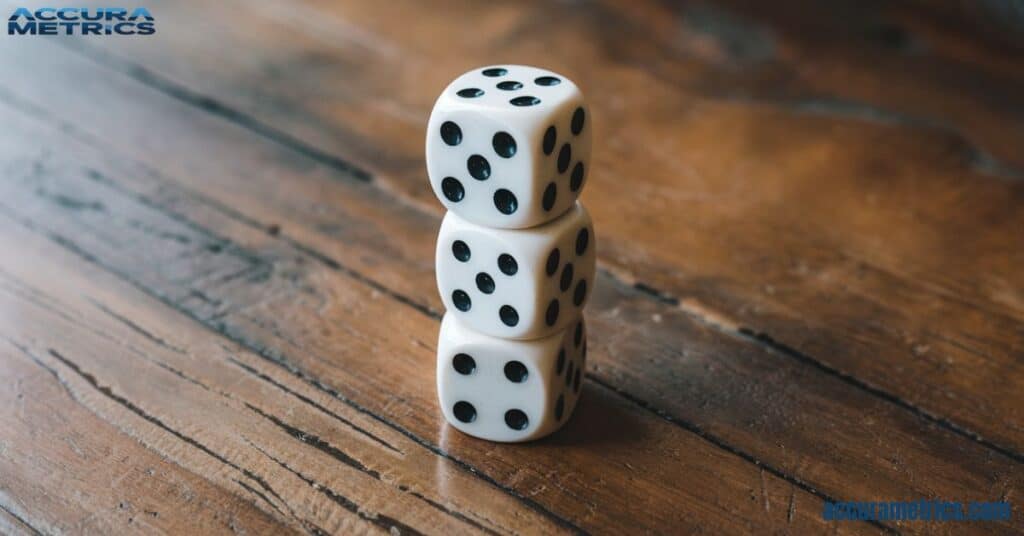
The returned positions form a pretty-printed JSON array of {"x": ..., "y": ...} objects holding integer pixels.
[
  {"x": 565, "y": 382},
  {"x": 471, "y": 177},
  {"x": 519, "y": 90},
  {"x": 501, "y": 165},
  {"x": 507, "y": 390},
  {"x": 516, "y": 284}
]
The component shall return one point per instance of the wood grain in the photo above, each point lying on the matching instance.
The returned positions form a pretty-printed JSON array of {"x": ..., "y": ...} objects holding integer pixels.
[
  {"x": 360, "y": 228},
  {"x": 899, "y": 268},
  {"x": 575, "y": 482},
  {"x": 67, "y": 469},
  {"x": 208, "y": 406},
  {"x": 807, "y": 292}
]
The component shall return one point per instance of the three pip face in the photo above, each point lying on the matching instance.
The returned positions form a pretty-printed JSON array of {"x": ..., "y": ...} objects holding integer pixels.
[
  {"x": 508, "y": 152},
  {"x": 509, "y": 146}
]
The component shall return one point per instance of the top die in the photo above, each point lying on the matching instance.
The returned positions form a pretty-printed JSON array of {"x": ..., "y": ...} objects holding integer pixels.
[{"x": 509, "y": 146}]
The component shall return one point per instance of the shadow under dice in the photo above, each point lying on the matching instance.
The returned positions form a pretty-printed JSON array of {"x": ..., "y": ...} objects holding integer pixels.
[
  {"x": 516, "y": 283},
  {"x": 509, "y": 390},
  {"x": 509, "y": 146}
]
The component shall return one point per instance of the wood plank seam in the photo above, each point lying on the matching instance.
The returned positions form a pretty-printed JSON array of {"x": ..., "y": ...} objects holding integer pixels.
[{"x": 184, "y": 94}]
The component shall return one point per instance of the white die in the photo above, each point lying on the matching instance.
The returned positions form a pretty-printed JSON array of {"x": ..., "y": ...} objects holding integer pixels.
[
  {"x": 516, "y": 283},
  {"x": 509, "y": 158},
  {"x": 509, "y": 390}
]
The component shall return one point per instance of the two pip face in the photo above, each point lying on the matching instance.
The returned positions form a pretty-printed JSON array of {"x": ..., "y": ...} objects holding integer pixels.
[
  {"x": 509, "y": 146},
  {"x": 509, "y": 390},
  {"x": 517, "y": 284}
]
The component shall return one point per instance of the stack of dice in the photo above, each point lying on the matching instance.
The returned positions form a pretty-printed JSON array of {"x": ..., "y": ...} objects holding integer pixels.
[{"x": 508, "y": 149}]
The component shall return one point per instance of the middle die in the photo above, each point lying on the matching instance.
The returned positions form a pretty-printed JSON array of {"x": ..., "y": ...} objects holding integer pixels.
[
  {"x": 516, "y": 283},
  {"x": 509, "y": 146}
]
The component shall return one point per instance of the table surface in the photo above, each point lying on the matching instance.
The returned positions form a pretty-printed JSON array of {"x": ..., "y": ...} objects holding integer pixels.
[{"x": 217, "y": 301}]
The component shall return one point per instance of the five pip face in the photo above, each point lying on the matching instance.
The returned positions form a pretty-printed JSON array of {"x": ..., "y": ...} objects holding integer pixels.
[
  {"x": 509, "y": 146},
  {"x": 517, "y": 284}
]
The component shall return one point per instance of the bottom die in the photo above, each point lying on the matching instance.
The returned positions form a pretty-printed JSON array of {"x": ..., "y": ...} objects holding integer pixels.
[{"x": 506, "y": 390}]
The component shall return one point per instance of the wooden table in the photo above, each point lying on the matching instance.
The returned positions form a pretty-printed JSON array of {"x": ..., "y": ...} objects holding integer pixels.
[{"x": 217, "y": 300}]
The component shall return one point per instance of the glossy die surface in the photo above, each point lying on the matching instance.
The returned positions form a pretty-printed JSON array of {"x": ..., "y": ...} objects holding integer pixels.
[
  {"x": 516, "y": 283},
  {"x": 509, "y": 390},
  {"x": 509, "y": 146}
]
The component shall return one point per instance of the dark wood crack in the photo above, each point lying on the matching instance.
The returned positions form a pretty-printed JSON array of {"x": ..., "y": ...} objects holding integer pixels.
[
  {"x": 21, "y": 520},
  {"x": 130, "y": 406},
  {"x": 323, "y": 446},
  {"x": 387, "y": 523},
  {"x": 315, "y": 404},
  {"x": 310, "y": 527},
  {"x": 766, "y": 341}
]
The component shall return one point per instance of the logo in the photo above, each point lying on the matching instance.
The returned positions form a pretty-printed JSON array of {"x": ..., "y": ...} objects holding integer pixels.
[
  {"x": 81, "y": 21},
  {"x": 923, "y": 510}
]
